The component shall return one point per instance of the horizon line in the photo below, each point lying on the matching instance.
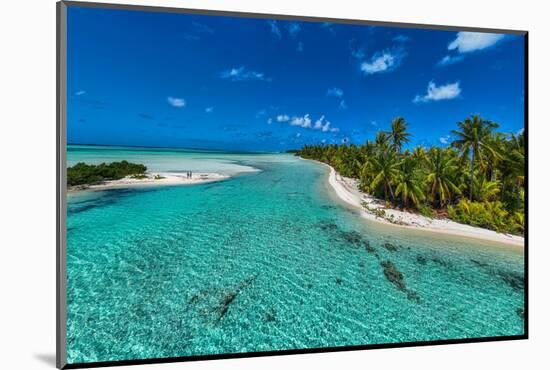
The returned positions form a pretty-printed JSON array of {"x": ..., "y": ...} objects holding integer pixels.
[{"x": 177, "y": 148}]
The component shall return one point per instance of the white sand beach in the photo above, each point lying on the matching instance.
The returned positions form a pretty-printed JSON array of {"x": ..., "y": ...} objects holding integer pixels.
[
  {"x": 155, "y": 179},
  {"x": 348, "y": 191}
]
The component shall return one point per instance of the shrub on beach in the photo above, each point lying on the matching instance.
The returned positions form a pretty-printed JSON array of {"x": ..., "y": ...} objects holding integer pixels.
[
  {"x": 490, "y": 215},
  {"x": 86, "y": 174},
  {"x": 425, "y": 211}
]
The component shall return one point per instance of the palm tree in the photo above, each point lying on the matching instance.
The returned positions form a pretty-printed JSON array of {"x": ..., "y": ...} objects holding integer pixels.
[
  {"x": 381, "y": 140},
  {"x": 441, "y": 174},
  {"x": 472, "y": 141},
  {"x": 498, "y": 142},
  {"x": 516, "y": 159},
  {"x": 409, "y": 183},
  {"x": 384, "y": 168},
  {"x": 419, "y": 154},
  {"x": 518, "y": 221},
  {"x": 398, "y": 134},
  {"x": 485, "y": 190}
]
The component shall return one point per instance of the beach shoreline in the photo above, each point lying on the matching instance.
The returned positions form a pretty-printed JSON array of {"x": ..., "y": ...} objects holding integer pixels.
[
  {"x": 347, "y": 191},
  {"x": 153, "y": 179}
]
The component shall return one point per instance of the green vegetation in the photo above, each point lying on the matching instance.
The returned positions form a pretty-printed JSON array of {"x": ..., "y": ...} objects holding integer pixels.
[
  {"x": 425, "y": 210},
  {"x": 87, "y": 174},
  {"x": 478, "y": 179},
  {"x": 490, "y": 215},
  {"x": 378, "y": 212}
]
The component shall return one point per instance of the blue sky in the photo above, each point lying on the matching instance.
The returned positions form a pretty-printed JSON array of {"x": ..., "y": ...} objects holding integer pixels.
[{"x": 178, "y": 80}]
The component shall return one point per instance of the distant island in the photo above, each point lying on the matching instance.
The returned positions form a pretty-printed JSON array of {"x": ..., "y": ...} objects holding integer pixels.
[
  {"x": 84, "y": 176},
  {"x": 89, "y": 174}
]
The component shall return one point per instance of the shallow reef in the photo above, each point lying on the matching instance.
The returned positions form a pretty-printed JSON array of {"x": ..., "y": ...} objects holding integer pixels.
[
  {"x": 391, "y": 247},
  {"x": 515, "y": 280},
  {"x": 394, "y": 276}
]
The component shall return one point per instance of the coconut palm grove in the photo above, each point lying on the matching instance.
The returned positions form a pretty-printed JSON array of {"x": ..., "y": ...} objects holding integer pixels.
[{"x": 478, "y": 179}]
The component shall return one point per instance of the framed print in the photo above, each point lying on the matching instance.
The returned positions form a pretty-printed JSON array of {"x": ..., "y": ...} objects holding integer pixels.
[{"x": 234, "y": 184}]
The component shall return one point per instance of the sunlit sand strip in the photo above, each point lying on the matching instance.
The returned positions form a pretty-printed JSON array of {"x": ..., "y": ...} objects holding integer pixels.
[
  {"x": 155, "y": 179},
  {"x": 347, "y": 190}
]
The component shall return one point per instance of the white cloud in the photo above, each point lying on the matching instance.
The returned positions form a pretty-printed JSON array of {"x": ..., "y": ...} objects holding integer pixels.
[
  {"x": 298, "y": 134},
  {"x": 269, "y": 121},
  {"x": 450, "y": 59},
  {"x": 283, "y": 118},
  {"x": 444, "y": 139},
  {"x": 324, "y": 125},
  {"x": 303, "y": 121},
  {"x": 196, "y": 30},
  {"x": 328, "y": 27},
  {"x": 384, "y": 61},
  {"x": 176, "y": 102},
  {"x": 338, "y": 93},
  {"x": 335, "y": 91},
  {"x": 300, "y": 47},
  {"x": 319, "y": 123},
  {"x": 241, "y": 74},
  {"x": 357, "y": 49},
  {"x": 442, "y": 92},
  {"x": 190, "y": 37},
  {"x": 209, "y": 109},
  {"x": 466, "y": 42},
  {"x": 202, "y": 28},
  {"x": 358, "y": 53},
  {"x": 80, "y": 92},
  {"x": 401, "y": 38},
  {"x": 293, "y": 29},
  {"x": 374, "y": 123},
  {"x": 275, "y": 29}
]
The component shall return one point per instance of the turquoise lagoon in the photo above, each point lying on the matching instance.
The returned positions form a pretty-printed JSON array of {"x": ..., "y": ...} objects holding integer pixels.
[{"x": 266, "y": 260}]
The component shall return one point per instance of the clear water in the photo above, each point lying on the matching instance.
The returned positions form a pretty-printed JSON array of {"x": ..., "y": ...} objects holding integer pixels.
[
  {"x": 267, "y": 260},
  {"x": 162, "y": 160}
]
